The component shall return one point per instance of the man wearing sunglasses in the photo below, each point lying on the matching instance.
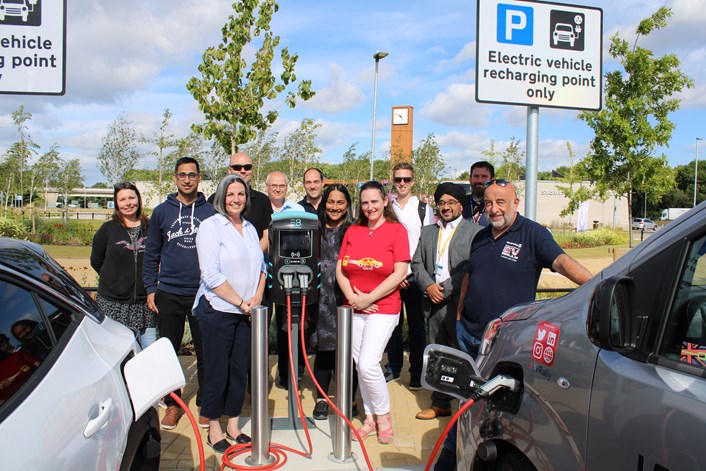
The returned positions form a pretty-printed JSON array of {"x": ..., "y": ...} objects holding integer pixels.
[
  {"x": 259, "y": 212},
  {"x": 474, "y": 210},
  {"x": 507, "y": 259},
  {"x": 413, "y": 214}
]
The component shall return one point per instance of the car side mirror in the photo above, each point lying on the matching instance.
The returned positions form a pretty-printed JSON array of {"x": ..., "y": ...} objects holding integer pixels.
[{"x": 612, "y": 320}]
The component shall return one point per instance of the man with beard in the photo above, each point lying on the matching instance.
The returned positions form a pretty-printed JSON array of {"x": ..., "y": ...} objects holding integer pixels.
[
  {"x": 481, "y": 172},
  {"x": 439, "y": 265}
]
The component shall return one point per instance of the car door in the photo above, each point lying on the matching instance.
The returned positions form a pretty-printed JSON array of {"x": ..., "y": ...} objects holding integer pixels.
[
  {"x": 648, "y": 408},
  {"x": 70, "y": 410}
]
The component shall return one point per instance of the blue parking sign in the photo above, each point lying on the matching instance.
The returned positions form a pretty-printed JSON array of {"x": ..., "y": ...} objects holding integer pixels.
[{"x": 515, "y": 24}]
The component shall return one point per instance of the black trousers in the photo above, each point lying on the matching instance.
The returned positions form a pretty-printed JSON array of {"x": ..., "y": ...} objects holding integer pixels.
[
  {"x": 283, "y": 343},
  {"x": 174, "y": 310},
  {"x": 412, "y": 300},
  {"x": 226, "y": 360},
  {"x": 325, "y": 367}
]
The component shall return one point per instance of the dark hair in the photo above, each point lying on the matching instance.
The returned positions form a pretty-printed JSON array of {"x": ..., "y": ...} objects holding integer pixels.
[
  {"x": 219, "y": 199},
  {"x": 484, "y": 164},
  {"x": 187, "y": 160},
  {"x": 24, "y": 322},
  {"x": 388, "y": 213},
  {"x": 323, "y": 217},
  {"x": 321, "y": 174},
  {"x": 117, "y": 217},
  {"x": 402, "y": 166}
]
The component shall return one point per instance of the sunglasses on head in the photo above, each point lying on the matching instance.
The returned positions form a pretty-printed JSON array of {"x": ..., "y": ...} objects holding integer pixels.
[
  {"x": 239, "y": 167},
  {"x": 402, "y": 179},
  {"x": 498, "y": 181}
]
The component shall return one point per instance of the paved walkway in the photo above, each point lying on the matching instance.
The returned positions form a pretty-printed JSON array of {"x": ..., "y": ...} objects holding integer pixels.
[{"x": 410, "y": 450}]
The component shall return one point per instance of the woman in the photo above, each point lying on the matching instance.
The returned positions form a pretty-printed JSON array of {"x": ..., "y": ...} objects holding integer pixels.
[
  {"x": 118, "y": 249},
  {"x": 232, "y": 281},
  {"x": 371, "y": 265},
  {"x": 335, "y": 218}
]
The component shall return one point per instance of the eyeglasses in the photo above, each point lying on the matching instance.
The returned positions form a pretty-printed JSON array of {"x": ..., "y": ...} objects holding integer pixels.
[
  {"x": 184, "y": 176},
  {"x": 239, "y": 167},
  {"x": 402, "y": 179},
  {"x": 278, "y": 187},
  {"x": 498, "y": 181},
  {"x": 450, "y": 204}
]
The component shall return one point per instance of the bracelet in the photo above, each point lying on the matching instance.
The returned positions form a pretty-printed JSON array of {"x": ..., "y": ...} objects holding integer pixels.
[{"x": 241, "y": 302}]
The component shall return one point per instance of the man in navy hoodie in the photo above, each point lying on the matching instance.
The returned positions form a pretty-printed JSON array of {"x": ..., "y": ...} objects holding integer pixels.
[{"x": 171, "y": 268}]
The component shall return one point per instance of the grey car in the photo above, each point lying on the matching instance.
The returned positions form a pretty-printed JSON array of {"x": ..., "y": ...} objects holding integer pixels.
[
  {"x": 613, "y": 375},
  {"x": 643, "y": 224}
]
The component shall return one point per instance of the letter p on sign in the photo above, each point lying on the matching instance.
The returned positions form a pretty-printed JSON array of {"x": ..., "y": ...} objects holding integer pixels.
[{"x": 515, "y": 24}]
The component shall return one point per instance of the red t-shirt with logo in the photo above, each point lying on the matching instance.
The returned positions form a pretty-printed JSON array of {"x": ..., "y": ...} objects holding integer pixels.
[{"x": 369, "y": 257}]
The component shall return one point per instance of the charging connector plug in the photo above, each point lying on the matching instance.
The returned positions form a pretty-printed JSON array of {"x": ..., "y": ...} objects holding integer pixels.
[
  {"x": 495, "y": 384},
  {"x": 287, "y": 281},
  {"x": 303, "y": 281}
]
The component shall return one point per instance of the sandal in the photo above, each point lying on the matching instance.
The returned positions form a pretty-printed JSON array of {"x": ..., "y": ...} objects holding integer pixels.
[
  {"x": 384, "y": 426},
  {"x": 368, "y": 428}
]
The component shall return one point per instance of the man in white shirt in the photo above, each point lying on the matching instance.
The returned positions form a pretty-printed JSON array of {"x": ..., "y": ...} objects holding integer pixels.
[
  {"x": 277, "y": 186},
  {"x": 413, "y": 214}
]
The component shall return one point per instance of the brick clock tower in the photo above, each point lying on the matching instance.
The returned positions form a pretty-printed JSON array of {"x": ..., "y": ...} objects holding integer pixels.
[{"x": 401, "y": 138}]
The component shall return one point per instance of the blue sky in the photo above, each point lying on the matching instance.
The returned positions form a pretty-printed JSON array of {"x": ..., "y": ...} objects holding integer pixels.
[{"x": 137, "y": 56}]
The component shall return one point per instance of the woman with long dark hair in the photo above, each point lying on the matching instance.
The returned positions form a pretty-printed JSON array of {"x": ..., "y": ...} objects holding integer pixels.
[
  {"x": 371, "y": 265},
  {"x": 118, "y": 249}
]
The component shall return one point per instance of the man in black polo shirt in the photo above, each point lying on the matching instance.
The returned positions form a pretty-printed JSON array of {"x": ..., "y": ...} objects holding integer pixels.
[
  {"x": 474, "y": 210},
  {"x": 507, "y": 258},
  {"x": 314, "y": 188},
  {"x": 260, "y": 211}
]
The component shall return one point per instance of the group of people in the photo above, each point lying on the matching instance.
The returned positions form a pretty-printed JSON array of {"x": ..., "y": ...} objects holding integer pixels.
[{"x": 206, "y": 263}]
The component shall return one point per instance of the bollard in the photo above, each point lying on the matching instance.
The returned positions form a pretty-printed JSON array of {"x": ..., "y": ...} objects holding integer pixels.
[
  {"x": 344, "y": 379},
  {"x": 260, "y": 428}
]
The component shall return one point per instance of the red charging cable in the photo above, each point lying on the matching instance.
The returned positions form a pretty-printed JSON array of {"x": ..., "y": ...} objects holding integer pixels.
[{"x": 440, "y": 441}]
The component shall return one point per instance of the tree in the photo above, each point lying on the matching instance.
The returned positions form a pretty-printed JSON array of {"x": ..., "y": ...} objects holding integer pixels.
[
  {"x": 118, "y": 153},
  {"x": 162, "y": 141},
  {"x": 428, "y": 165},
  {"x": 68, "y": 178},
  {"x": 42, "y": 171},
  {"x": 21, "y": 153},
  {"x": 299, "y": 151},
  {"x": 231, "y": 98},
  {"x": 634, "y": 119},
  {"x": 511, "y": 159},
  {"x": 263, "y": 150},
  {"x": 572, "y": 175}
]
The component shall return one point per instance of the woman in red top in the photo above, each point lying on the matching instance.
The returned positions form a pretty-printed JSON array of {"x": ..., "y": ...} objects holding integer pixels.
[{"x": 371, "y": 265}]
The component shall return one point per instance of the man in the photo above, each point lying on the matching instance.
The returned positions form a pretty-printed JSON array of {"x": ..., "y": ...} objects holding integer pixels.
[
  {"x": 171, "y": 268},
  {"x": 314, "y": 187},
  {"x": 259, "y": 212},
  {"x": 439, "y": 265},
  {"x": 413, "y": 214},
  {"x": 481, "y": 172},
  {"x": 277, "y": 187},
  {"x": 506, "y": 261}
]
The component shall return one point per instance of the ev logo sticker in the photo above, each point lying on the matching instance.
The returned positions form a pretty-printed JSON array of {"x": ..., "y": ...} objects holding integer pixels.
[
  {"x": 566, "y": 30},
  {"x": 515, "y": 24}
]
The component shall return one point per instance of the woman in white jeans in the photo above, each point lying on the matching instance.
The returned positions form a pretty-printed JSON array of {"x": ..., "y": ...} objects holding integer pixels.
[{"x": 371, "y": 265}]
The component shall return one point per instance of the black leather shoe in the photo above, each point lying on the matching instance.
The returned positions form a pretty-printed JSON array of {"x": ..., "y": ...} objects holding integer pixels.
[
  {"x": 240, "y": 439},
  {"x": 218, "y": 447}
]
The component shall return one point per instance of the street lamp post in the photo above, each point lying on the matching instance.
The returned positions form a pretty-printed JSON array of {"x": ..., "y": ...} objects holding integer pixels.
[
  {"x": 696, "y": 168},
  {"x": 377, "y": 56}
]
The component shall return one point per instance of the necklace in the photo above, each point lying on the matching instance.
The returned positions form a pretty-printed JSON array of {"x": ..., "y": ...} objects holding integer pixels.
[{"x": 370, "y": 234}]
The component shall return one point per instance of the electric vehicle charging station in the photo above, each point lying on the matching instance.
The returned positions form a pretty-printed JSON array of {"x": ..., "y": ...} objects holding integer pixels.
[{"x": 293, "y": 279}]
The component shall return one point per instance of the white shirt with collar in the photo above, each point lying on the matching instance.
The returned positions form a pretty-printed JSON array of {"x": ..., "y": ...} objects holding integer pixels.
[
  {"x": 409, "y": 217},
  {"x": 441, "y": 272}
]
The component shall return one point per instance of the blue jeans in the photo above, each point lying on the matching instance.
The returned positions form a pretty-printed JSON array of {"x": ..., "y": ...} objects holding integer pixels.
[
  {"x": 470, "y": 344},
  {"x": 148, "y": 336}
]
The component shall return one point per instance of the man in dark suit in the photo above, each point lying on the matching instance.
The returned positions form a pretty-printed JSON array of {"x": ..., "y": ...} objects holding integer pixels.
[{"x": 439, "y": 265}]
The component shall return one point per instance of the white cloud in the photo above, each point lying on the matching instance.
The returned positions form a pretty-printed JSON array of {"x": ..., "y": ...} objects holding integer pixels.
[
  {"x": 338, "y": 96},
  {"x": 456, "y": 106}
]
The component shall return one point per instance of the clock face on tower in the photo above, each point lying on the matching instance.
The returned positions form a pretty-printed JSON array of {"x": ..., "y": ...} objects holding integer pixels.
[{"x": 400, "y": 116}]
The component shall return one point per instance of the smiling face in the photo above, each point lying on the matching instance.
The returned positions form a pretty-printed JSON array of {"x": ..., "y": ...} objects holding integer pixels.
[
  {"x": 479, "y": 176},
  {"x": 235, "y": 199},
  {"x": 187, "y": 179},
  {"x": 313, "y": 185},
  {"x": 277, "y": 187},
  {"x": 372, "y": 204},
  {"x": 336, "y": 208},
  {"x": 403, "y": 179},
  {"x": 127, "y": 203},
  {"x": 449, "y": 208},
  {"x": 501, "y": 203},
  {"x": 243, "y": 163}
]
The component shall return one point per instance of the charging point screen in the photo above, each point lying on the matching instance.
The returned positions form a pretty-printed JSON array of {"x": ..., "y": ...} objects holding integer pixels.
[{"x": 294, "y": 244}]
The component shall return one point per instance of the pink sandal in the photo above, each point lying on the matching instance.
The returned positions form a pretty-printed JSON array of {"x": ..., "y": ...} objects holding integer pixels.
[
  {"x": 368, "y": 428},
  {"x": 385, "y": 433}
]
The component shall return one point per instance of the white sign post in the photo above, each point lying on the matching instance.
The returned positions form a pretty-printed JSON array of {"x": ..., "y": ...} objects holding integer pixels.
[
  {"x": 539, "y": 54},
  {"x": 33, "y": 47}
]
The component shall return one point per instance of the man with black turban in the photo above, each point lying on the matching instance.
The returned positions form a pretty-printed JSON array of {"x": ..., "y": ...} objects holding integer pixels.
[{"x": 439, "y": 265}]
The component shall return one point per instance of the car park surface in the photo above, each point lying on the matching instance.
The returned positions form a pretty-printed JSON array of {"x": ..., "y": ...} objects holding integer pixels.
[{"x": 64, "y": 403}]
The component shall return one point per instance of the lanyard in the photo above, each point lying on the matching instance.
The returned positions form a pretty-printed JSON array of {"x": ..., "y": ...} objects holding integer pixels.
[{"x": 441, "y": 248}]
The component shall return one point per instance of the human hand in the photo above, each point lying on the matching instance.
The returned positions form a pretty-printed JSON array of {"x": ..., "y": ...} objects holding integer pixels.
[
  {"x": 360, "y": 300},
  {"x": 150, "y": 303},
  {"x": 404, "y": 284},
  {"x": 435, "y": 292}
]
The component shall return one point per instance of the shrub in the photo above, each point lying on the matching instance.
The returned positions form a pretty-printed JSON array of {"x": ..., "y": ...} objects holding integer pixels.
[
  {"x": 12, "y": 228},
  {"x": 62, "y": 232},
  {"x": 594, "y": 238}
]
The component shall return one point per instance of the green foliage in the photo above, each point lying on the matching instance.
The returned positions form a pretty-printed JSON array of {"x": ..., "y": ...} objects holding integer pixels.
[
  {"x": 118, "y": 153},
  {"x": 428, "y": 165},
  {"x": 634, "y": 120},
  {"x": 594, "y": 238},
  {"x": 511, "y": 167},
  {"x": 299, "y": 151},
  {"x": 231, "y": 98},
  {"x": 12, "y": 228},
  {"x": 61, "y": 232}
]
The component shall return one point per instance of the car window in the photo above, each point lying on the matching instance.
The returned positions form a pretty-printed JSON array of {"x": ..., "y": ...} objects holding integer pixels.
[
  {"x": 30, "y": 328},
  {"x": 685, "y": 335}
]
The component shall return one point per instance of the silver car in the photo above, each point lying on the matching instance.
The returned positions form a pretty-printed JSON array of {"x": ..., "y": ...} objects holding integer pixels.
[
  {"x": 613, "y": 375},
  {"x": 64, "y": 398},
  {"x": 643, "y": 224}
]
